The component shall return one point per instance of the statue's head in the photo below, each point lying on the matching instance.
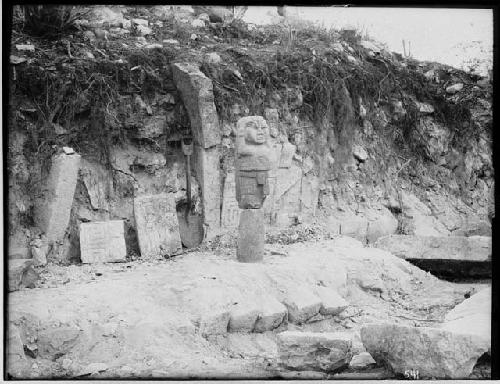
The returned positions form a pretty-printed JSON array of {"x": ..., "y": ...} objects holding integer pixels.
[{"x": 253, "y": 129}]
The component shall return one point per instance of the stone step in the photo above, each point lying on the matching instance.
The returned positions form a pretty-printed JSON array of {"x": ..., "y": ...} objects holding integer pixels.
[{"x": 314, "y": 351}]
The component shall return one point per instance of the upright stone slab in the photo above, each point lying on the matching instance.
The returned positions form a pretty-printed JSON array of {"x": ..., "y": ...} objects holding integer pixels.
[
  {"x": 197, "y": 94},
  {"x": 157, "y": 226},
  {"x": 251, "y": 236},
  {"x": 102, "y": 242},
  {"x": 52, "y": 214}
]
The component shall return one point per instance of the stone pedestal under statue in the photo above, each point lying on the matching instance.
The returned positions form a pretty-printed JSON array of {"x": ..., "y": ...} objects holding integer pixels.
[
  {"x": 252, "y": 165},
  {"x": 251, "y": 236}
]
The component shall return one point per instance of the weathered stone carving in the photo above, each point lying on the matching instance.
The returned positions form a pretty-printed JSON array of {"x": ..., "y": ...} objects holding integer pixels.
[
  {"x": 252, "y": 165},
  {"x": 103, "y": 242},
  {"x": 253, "y": 162}
]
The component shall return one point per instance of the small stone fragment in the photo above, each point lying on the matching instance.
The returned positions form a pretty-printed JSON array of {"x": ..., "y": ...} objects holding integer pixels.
[
  {"x": 454, "y": 88},
  {"x": 362, "y": 360},
  {"x": 197, "y": 23},
  {"x": 25, "y": 47},
  {"x": 359, "y": 153},
  {"x": 212, "y": 58}
]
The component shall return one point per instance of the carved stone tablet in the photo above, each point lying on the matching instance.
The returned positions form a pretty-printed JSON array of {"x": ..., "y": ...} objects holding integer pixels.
[
  {"x": 157, "y": 225},
  {"x": 102, "y": 242}
]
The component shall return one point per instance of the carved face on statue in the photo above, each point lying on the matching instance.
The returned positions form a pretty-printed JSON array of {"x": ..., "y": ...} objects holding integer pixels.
[{"x": 257, "y": 131}]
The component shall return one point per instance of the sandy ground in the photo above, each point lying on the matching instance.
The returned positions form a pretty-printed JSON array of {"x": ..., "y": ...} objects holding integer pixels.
[{"x": 143, "y": 319}]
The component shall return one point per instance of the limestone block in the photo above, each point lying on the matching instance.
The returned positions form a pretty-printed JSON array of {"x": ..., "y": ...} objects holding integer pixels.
[
  {"x": 325, "y": 351},
  {"x": 331, "y": 302},
  {"x": 251, "y": 236},
  {"x": 302, "y": 304},
  {"x": 272, "y": 314},
  {"x": 243, "y": 316},
  {"x": 52, "y": 215},
  {"x": 157, "y": 226},
  {"x": 434, "y": 353},
  {"x": 214, "y": 323},
  {"x": 472, "y": 316},
  {"x": 474, "y": 248},
  {"x": 102, "y": 242},
  {"x": 197, "y": 94}
]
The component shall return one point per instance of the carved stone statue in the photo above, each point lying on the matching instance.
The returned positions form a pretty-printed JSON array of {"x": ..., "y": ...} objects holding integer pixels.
[{"x": 253, "y": 162}]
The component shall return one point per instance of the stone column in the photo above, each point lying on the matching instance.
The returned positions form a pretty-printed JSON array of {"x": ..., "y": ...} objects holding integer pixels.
[
  {"x": 251, "y": 236},
  {"x": 252, "y": 164}
]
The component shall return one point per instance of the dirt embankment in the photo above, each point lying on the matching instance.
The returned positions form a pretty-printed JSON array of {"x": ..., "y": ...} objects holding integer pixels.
[{"x": 371, "y": 143}]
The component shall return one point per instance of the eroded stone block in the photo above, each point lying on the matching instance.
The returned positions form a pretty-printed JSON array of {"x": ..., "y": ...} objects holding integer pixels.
[
  {"x": 52, "y": 214},
  {"x": 272, "y": 314},
  {"x": 302, "y": 304},
  {"x": 197, "y": 94},
  {"x": 157, "y": 226},
  {"x": 102, "y": 242},
  {"x": 305, "y": 351},
  {"x": 331, "y": 302},
  {"x": 243, "y": 316},
  {"x": 214, "y": 323}
]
